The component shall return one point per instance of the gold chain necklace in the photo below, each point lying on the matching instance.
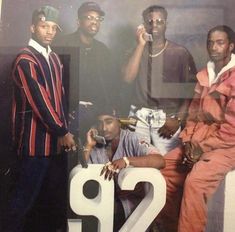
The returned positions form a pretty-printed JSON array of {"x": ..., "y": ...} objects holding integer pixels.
[{"x": 160, "y": 52}]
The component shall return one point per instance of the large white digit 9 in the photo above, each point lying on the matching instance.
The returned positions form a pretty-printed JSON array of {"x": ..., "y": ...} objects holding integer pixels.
[
  {"x": 153, "y": 202},
  {"x": 102, "y": 205}
]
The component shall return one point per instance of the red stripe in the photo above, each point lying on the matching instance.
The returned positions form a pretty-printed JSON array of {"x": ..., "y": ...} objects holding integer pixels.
[
  {"x": 32, "y": 138},
  {"x": 22, "y": 121},
  {"x": 47, "y": 144},
  {"x": 13, "y": 118}
]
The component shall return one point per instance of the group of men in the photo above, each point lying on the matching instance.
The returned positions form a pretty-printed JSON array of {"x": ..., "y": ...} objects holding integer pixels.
[{"x": 195, "y": 134}]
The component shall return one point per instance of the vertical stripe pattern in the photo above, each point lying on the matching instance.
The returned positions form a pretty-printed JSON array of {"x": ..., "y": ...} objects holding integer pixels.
[{"x": 38, "y": 116}]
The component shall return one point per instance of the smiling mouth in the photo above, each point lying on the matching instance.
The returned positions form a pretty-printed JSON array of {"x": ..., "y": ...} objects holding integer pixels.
[{"x": 94, "y": 28}]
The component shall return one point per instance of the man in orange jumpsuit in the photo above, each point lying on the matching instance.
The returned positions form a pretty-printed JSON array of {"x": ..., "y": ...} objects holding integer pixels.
[{"x": 195, "y": 169}]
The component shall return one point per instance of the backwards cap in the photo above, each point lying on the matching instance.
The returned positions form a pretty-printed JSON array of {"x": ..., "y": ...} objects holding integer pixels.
[{"x": 46, "y": 13}]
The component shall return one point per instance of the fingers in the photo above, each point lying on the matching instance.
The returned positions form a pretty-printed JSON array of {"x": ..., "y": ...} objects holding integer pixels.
[
  {"x": 166, "y": 134},
  {"x": 73, "y": 148},
  {"x": 140, "y": 29},
  {"x": 109, "y": 171}
]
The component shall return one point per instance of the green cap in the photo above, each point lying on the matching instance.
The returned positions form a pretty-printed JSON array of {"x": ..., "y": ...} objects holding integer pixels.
[{"x": 46, "y": 13}]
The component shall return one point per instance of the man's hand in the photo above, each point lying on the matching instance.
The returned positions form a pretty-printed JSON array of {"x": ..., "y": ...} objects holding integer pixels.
[
  {"x": 140, "y": 35},
  {"x": 111, "y": 169},
  {"x": 192, "y": 154},
  {"x": 66, "y": 142},
  {"x": 90, "y": 141},
  {"x": 169, "y": 128}
]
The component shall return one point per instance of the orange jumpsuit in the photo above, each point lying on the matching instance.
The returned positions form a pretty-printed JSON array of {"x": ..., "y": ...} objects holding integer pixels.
[{"x": 211, "y": 125}]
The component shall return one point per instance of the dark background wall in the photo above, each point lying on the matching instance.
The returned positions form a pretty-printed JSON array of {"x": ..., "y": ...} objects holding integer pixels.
[
  {"x": 188, "y": 21},
  {"x": 188, "y": 24}
]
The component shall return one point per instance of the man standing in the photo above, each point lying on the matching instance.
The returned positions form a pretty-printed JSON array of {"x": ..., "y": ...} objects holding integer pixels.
[
  {"x": 122, "y": 149},
  {"x": 159, "y": 69},
  {"x": 93, "y": 83},
  {"x": 40, "y": 133},
  {"x": 194, "y": 171}
]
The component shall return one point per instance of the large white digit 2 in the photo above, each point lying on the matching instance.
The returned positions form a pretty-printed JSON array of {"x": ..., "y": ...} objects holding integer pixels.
[{"x": 153, "y": 202}]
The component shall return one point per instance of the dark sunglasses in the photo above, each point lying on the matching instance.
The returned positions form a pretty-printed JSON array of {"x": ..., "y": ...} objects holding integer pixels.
[
  {"x": 159, "y": 22},
  {"x": 93, "y": 18}
]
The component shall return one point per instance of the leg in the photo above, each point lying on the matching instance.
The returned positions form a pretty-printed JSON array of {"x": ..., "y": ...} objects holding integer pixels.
[
  {"x": 143, "y": 132},
  {"x": 174, "y": 174},
  {"x": 200, "y": 184},
  {"x": 49, "y": 213},
  {"x": 31, "y": 174},
  {"x": 164, "y": 145}
]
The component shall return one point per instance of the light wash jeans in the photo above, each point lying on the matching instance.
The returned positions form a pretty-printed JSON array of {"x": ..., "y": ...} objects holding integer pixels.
[{"x": 148, "y": 124}]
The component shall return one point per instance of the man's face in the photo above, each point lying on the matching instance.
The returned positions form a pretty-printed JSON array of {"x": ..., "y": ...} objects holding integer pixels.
[
  {"x": 155, "y": 24},
  {"x": 44, "y": 32},
  {"x": 218, "y": 46},
  {"x": 89, "y": 23},
  {"x": 109, "y": 127}
]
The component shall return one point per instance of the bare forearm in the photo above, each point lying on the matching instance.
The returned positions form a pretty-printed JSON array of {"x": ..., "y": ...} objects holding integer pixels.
[
  {"x": 151, "y": 161},
  {"x": 87, "y": 152},
  {"x": 130, "y": 71}
]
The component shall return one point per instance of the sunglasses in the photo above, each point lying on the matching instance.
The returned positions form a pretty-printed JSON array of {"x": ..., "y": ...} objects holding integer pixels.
[
  {"x": 159, "y": 22},
  {"x": 93, "y": 18}
]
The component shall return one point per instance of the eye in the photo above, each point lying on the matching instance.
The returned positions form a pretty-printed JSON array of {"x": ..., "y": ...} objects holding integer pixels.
[
  {"x": 89, "y": 17},
  {"x": 109, "y": 121},
  {"x": 221, "y": 42},
  {"x": 54, "y": 28}
]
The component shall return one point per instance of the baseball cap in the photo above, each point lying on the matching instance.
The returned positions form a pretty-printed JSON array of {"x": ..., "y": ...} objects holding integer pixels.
[
  {"x": 46, "y": 13},
  {"x": 90, "y": 6}
]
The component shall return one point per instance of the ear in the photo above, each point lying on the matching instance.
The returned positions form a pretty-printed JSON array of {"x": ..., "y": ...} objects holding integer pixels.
[
  {"x": 32, "y": 28},
  {"x": 231, "y": 47},
  {"x": 78, "y": 22}
]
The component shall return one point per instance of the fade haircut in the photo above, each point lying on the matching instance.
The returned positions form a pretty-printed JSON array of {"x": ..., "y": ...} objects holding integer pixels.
[{"x": 154, "y": 8}]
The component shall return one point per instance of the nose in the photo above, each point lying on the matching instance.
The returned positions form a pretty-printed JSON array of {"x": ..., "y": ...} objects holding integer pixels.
[
  {"x": 104, "y": 127},
  {"x": 154, "y": 23},
  {"x": 214, "y": 46},
  {"x": 94, "y": 21},
  {"x": 50, "y": 30}
]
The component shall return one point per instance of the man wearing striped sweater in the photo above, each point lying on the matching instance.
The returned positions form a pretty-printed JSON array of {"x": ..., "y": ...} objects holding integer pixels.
[{"x": 40, "y": 133}]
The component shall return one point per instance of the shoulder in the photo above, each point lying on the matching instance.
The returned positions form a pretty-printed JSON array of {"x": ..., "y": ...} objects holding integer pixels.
[
  {"x": 129, "y": 135},
  {"x": 26, "y": 54},
  {"x": 100, "y": 45},
  {"x": 70, "y": 40},
  {"x": 176, "y": 48}
]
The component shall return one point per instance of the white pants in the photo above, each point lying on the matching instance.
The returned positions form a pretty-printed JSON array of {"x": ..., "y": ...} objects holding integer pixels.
[{"x": 147, "y": 130}]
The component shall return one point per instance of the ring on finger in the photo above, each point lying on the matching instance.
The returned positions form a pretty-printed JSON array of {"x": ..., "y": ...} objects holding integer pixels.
[
  {"x": 117, "y": 170},
  {"x": 110, "y": 168}
]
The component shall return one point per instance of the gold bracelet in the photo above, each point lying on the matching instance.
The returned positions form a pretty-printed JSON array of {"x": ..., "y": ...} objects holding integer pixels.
[
  {"x": 86, "y": 149},
  {"x": 127, "y": 161}
]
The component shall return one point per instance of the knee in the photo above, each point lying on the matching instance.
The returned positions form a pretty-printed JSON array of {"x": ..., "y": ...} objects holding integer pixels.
[{"x": 193, "y": 182}]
